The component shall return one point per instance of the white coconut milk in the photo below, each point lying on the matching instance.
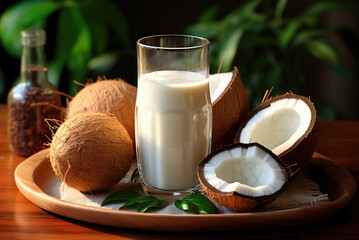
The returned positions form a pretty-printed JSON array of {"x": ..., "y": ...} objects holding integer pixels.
[{"x": 173, "y": 128}]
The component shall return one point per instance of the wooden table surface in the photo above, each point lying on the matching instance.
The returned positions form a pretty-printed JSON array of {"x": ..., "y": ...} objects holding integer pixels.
[{"x": 21, "y": 219}]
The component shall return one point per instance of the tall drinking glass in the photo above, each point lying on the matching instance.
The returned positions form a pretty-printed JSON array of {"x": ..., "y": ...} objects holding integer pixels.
[{"x": 173, "y": 118}]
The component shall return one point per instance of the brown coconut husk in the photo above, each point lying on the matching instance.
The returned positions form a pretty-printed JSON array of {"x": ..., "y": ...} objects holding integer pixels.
[
  {"x": 91, "y": 151},
  {"x": 228, "y": 112},
  {"x": 113, "y": 96}
]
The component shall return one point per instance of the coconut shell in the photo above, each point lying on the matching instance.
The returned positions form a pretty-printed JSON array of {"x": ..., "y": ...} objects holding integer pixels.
[
  {"x": 91, "y": 151},
  {"x": 112, "y": 96},
  {"x": 233, "y": 200},
  {"x": 228, "y": 112},
  {"x": 300, "y": 153}
]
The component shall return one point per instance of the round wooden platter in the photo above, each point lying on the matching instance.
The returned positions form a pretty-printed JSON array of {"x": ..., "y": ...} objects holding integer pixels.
[{"x": 35, "y": 172}]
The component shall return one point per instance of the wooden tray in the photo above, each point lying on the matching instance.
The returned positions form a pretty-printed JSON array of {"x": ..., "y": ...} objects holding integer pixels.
[{"x": 333, "y": 179}]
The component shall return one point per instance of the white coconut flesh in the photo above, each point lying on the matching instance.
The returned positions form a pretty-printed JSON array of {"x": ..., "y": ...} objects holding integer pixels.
[
  {"x": 248, "y": 171},
  {"x": 218, "y": 83},
  {"x": 278, "y": 126}
]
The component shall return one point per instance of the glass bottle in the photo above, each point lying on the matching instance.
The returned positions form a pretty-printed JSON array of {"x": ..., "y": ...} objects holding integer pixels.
[{"x": 32, "y": 100}]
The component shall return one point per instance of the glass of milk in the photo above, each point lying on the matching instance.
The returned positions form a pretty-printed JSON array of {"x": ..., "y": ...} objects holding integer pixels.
[{"x": 173, "y": 117}]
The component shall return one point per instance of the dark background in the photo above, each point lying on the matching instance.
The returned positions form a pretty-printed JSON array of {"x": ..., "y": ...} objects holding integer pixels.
[{"x": 158, "y": 17}]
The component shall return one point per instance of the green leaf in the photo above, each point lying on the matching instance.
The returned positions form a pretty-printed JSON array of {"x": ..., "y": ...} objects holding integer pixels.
[
  {"x": 99, "y": 34},
  {"x": 103, "y": 62},
  {"x": 243, "y": 17},
  {"x": 196, "y": 203},
  {"x": 249, "y": 6},
  {"x": 54, "y": 70},
  {"x": 137, "y": 199},
  {"x": 20, "y": 16},
  {"x": 67, "y": 32},
  {"x": 99, "y": 29},
  {"x": 81, "y": 50},
  {"x": 323, "y": 50},
  {"x": 264, "y": 35},
  {"x": 187, "y": 206},
  {"x": 325, "y": 6},
  {"x": 229, "y": 49},
  {"x": 203, "y": 203},
  {"x": 122, "y": 195},
  {"x": 145, "y": 205},
  {"x": 110, "y": 15},
  {"x": 65, "y": 38},
  {"x": 301, "y": 37},
  {"x": 204, "y": 29},
  {"x": 250, "y": 41},
  {"x": 279, "y": 9},
  {"x": 134, "y": 199},
  {"x": 287, "y": 34}
]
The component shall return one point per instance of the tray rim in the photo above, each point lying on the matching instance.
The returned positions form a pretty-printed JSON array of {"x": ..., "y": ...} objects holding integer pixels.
[{"x": 25, "y": 182}]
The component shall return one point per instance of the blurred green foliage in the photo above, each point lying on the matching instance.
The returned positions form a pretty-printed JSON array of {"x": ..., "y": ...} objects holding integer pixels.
[
  {"x": 85, "y": 30},
  {"x": 268, "y": 47}
]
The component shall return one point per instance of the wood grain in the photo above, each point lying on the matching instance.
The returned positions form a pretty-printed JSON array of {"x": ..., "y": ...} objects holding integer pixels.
[{"x": 21, "y": 219}]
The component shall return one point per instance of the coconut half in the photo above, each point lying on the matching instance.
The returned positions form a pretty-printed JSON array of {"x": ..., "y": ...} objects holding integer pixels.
[
  {"x": 229, "y": 106},
  {"x": 287, "y": 126},
  {"x": 242, "y": 176}
]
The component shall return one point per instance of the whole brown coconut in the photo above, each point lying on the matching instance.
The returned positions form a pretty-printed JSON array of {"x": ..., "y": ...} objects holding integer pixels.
[
  {"x": 91, "y": 151},
  {"x": 229, "y": 110},
  {"x": 111, "y": 96}
]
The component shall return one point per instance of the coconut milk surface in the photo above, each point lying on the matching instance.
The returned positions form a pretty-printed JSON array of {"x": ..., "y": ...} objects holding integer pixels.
[{"x": 173, "y": 128}]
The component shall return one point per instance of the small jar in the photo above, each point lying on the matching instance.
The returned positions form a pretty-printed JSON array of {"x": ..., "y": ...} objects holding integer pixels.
[{"x": 32, "y": 100}]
